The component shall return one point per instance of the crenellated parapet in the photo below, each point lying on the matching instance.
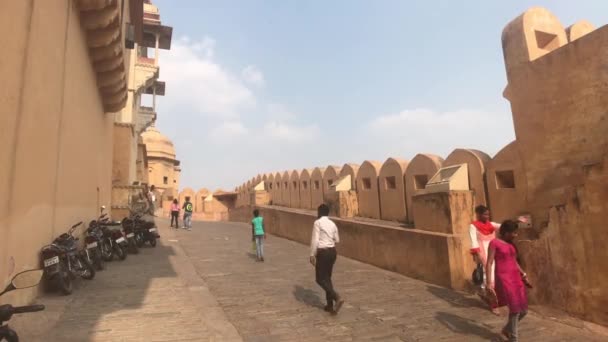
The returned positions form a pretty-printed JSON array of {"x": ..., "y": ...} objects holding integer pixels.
[{"x": 555, "y": 173}]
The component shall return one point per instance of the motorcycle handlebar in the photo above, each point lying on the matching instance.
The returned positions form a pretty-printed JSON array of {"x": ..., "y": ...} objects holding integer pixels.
[
  {"x": 28, "y": 308},
  {"x": 77, "y": 224}
]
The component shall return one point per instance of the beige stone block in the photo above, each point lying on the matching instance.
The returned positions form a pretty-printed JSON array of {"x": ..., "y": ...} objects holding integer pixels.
[
  {"x": 417, "y": 174},
  {"x": 392, "y": 190},
  {"x": 444, "y": 212},
  {"x": 476, "y": 167}
]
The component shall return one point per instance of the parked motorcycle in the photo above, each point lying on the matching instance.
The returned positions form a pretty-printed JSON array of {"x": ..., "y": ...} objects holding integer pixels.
[
  {"x": 129, "y": 231},
  {"x": 145, "y": 231},
  {"x": 114, "y": 239},
  {"x": 63, "y": 262},
  {"x": 95, "y": 245},
  {"x": 23, "y": 280}
]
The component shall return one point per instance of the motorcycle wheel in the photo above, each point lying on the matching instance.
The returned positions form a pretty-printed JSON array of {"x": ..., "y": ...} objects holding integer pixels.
[
  {"x": 99, "y": 263},
  {"x": 133, "y": 246},
  {"x": 120, "y": 252},
  {"x": 89, "y": 271},
  {"x": 64, "y": 282},
  {"x": 153, "y": 242},
  {"x": 106, "y": 251},
  {"x": 7, "y": 334}
]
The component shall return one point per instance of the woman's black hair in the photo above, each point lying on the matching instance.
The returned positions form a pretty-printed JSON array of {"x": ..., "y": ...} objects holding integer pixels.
[
  {"x": 508, "y": 226},
  {"x": 480, "y": 209},
  {"x": 256, "y": 213},
  {"x": 175, "y": 200}
]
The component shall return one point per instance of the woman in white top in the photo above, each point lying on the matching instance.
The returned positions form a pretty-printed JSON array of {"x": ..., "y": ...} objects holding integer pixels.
[{"x": 482, "y": 231}]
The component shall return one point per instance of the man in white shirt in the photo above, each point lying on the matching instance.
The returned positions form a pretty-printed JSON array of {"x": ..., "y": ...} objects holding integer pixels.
[{"x": 323, "y": 256}]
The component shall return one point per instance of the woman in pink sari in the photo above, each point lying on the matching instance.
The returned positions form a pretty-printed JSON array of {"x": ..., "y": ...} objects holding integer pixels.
[
  {"x": 511, "y": 280},
  {"x": 482, "y": 231}
]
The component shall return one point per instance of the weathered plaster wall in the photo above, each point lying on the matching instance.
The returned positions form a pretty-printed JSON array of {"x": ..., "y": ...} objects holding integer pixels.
[
  {"x": 305, "y": 189},
  {"x": 277, "y": 197},
  {"x": 286, "y": 189},
  {"x": 352, "y": 170},
  {"x": 417, "y": 174},
  {"x": 316, "y": 187},
  {"x": 406, "y": 251},
  {"x": 157, "y": 170},
  {"x": 123, "y": 171},
  {"x": 367, "y": 189},
  {"x": 330, "y": 175},
  {"x": 55, "y": 139},
  {"x": 198, "y": 199},
  {"x": 476, "y": 161},
  {"x": 579, "y": 29},
  {"x": 392, "y": 190},
  {"x": 270, "y": 186},
  {"x": 444, "y": 212},
  {"x": 294, "y": 189},
  {"x": 506, "y": 182},
  {"x": 141, "y": 168},
  {"x": 559, "y": 113}
]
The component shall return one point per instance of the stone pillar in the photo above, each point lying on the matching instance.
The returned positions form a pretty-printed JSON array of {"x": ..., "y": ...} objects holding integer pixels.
[
  {"x": 260, "y": 197},
  {"x": 449, "y": 213},
  {"x": 342, "y": 204}
]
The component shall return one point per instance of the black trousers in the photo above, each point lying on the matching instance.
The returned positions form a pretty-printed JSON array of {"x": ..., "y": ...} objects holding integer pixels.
[
  {"x": 326, "y": 258},
  {"x": 175, "y": 215}
]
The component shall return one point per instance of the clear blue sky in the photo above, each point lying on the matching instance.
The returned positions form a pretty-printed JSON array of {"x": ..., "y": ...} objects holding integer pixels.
[{"x": 257, "y": 86}]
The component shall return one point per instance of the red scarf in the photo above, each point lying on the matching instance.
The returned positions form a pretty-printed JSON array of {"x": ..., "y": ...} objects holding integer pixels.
[{"x": 485, "y": 228}]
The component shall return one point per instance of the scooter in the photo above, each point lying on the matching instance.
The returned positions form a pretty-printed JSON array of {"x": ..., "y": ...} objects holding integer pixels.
[
  {"x": 63, "y": 262},
  {"x": 23, "y": 280}
]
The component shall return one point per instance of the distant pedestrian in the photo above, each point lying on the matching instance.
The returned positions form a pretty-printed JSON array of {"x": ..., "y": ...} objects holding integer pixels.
[
  {"x": 188, "y": 208},
  {"x": 323, "y": 256},
  {"x": 151, "y": 200},
  {"x": 481, "y": 232},
  {"x": 175, "y": 213},
  {"x": 511, "y": 280},
  {"x": 257, "y": 234}
]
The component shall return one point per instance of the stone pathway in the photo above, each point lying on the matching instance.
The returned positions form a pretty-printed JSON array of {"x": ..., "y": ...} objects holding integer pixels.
[
  {"x": 279, "y": 301},
  {"x": 152, "y": 296},
  {"x": 204, "y": 285}
]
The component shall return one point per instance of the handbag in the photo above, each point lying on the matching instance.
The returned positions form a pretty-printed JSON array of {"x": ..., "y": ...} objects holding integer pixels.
[
  {"x": 254, "y": 247},
  {"x": 478, "y": 275}
]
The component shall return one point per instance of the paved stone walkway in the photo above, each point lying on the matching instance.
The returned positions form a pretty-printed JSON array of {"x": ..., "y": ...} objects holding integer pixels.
[
  {"x": 205, "y": 285},
  {"x": 279, "y": 301},
  {"x": 152, "y": 296}
]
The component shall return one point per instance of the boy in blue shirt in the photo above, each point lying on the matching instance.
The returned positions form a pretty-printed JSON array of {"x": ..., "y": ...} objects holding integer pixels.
[{"x": 257, "y": 234}]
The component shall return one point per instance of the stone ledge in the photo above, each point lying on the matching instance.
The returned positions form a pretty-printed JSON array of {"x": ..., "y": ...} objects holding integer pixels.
[
  {"x": 101, "y": 21},
  {"x": 434, "y": 257}
]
